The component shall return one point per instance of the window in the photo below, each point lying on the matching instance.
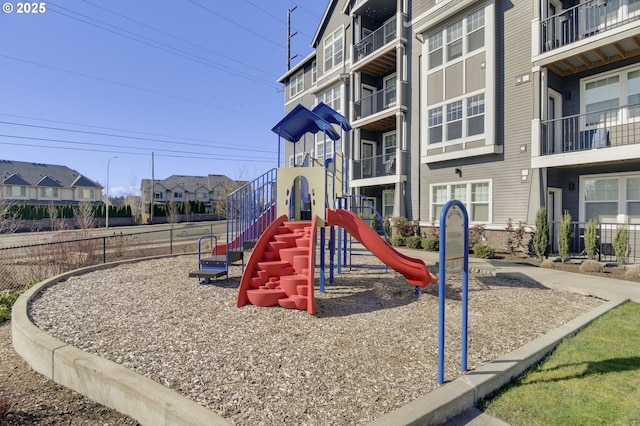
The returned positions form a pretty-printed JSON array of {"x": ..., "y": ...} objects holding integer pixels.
[
  {"x": 16, "y": 191},
  {"x": 296, "y": 83},
  {"x": 435, "y": 50},
  {"x": 612, "y": 98},
  {"x": 435, "y": 125},
  {"x": 454, "y": 120},
  {"x": 333, "y": 49},
  {"x": 389, "y": 30},
  {"x": 331, "y": 97},
  {"x": 177, "y": 195},
  {"x": 85, "y": 194},
  {"x": 476, "y": 196},
  {"x": 475, "y": 30},
  {"x": 299, "y": 159},
  {"x": 601, "y": 95},
  {"x": 633, "y": 94},
  {"x": 158, "y": 196},
  {"x": 454, "y": 41},
  {"x": 314, "y": 72},
  {"x": 475, "y": 115},
  {"x": 202, "y": 196},
  {"x": 389, "y": 140},
  {"x": 49, "y": 192},
  {"x": 387, "y": 203},
  {"x": 606, "y": 198},
  {"x": 389, "y": 91}
]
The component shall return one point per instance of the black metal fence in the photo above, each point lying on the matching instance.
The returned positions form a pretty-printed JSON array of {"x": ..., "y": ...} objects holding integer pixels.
[
  {"x": 606, "y": 233},
  {"x": 41, "y": 255}
]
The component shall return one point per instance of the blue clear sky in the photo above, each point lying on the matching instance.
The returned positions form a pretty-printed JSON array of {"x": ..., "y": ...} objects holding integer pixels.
[{"x": 194, "y": 81}]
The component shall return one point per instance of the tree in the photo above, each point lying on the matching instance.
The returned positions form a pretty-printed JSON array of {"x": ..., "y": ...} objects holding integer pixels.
[
  {"x": 172, "y": 213},
  {"x": 541, "y": 237},
  {"x": 620, "y": 241},
  {"x": 9, "y": 216},
  {"x": 84, "y": 215},
  {"x": 52, "y": 212},
  {"x": 591, "y": 239},
  {"x": 564, "y": 238}
]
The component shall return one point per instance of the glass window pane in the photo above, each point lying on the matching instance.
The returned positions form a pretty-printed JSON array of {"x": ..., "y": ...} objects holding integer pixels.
[
  {"x": 479, "y": 192},
  {"x": 601, "y": 189},
  {"x": 480, "y": 213},
  {"x": 459, "y": 192},
  {"x": 475, "y": 40},
  {"x": 633, "y": 189},
  {"x": 435, "y": 134},
  {"x": 454, "y": 130},
  {"x": 602, "y": 212}
]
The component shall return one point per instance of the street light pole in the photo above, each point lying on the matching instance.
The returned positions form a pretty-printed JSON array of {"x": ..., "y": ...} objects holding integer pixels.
[{"x": 107, "y": 212}]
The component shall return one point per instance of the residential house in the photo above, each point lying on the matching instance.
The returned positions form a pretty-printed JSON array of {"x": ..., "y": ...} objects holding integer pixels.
[
  {"x": 46, "y": 184},
  {"x": 210, "y": 190},
  {"x": 505, "y": 106}
]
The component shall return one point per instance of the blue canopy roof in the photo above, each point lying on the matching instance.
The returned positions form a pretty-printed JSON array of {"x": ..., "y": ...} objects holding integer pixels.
[
  {"x": 300, "y": 121},
  {"x": 332, "y": 116}
]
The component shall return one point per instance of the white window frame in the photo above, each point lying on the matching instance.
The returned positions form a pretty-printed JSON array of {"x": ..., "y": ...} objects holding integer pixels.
[
  {"x": 179, "y": 195},
  {"x": 385, "y": 193},
  {"x": 299, "y": 159},
  {"x": 314, "y": 72},
  {"x": 333, "y": 48},
  {"x": 622, "y": 215},
  {"x": 623, "y": 115},
  {"x": 296, "y": 84},
  {"x": 387, "y": 152},
  {"x": 390, "y": 87},
  {"x": 331, "y": 97},
  {"x": 468, "y": 202}
]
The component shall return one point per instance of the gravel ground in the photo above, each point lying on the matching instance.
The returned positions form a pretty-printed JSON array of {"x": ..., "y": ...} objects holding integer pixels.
[{"x": 371, "y": 348}]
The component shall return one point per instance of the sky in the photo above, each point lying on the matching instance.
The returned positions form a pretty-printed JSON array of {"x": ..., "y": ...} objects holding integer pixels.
[{"x": 100, "y": 85}]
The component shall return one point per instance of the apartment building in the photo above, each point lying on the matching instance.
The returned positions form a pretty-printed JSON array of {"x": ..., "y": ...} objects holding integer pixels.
[{"x": 505, "y": 105}]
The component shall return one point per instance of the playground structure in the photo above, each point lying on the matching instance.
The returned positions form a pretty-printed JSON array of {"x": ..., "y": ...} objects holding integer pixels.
[{"x": 280, "y": 214}]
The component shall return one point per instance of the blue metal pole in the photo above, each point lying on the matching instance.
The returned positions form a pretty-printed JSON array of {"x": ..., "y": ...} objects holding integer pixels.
[
  {"x": 465, "y": 292},
  {"x": 441, "y": 296}
]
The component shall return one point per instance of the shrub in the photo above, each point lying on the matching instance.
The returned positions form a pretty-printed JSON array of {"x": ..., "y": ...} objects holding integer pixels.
[
  {"x": 515, "y": 236},
  {"x": 591, "y": 239},
  {"x": 484, "y": 251},
  {"x": 547, "y": 263},
  {"x": 477, "y": 235},
  {"x": 398, "y": 241},
  {"x": 7, "y": 299},
  {"x": 387, "y": 225},
  {"x": 564, "y": 236},
  {"x": 431, "y": 243},
  {"x": 633, "y": 271},
  {"x": 414, "y": 242},
  {"x": 541, "y": 237},
  {"x": 591, "y": 266},
  {"x": 620, "y": 241}
]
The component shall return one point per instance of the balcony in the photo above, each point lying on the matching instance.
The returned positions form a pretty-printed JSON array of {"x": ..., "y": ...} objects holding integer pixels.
[
  {"x": 380, "y": 101},
  {"x": 378, "y": 166},
  {"x": 372, "y": 46},
  {"x": 614, "y": 127},
  {"x": 588, "y": 35}
]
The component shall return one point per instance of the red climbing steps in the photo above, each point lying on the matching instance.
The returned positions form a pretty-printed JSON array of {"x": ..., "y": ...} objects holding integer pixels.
[{"x": 280, "y": 270}]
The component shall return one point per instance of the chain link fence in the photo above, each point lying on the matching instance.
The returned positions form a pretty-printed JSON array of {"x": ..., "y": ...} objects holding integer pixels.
[{"x": 43, "y": 255}]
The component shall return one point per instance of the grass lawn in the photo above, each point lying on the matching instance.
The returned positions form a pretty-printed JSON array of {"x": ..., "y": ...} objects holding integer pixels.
[{"x": 592, "y": 378}]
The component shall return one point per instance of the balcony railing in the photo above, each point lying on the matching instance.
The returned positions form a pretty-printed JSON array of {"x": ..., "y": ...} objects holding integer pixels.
[
  {"x": 379, "y": 101},
  {"x": 374, "y": 41},
  {"x": 586, "y": 20},
  {"x": 378, "y": 166},
  {"x": 612, "y": 127}
]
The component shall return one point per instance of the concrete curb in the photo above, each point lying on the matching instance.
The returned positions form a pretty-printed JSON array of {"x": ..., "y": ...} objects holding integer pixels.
[
  {"x": 454, "y": 398},
  {"x": 101, "y": 380}
]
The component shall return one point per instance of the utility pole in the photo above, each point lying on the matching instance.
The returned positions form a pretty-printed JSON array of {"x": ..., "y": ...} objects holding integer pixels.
[
  {"x": 289, "y": 35},
  {"x": 153, "y": 189}
]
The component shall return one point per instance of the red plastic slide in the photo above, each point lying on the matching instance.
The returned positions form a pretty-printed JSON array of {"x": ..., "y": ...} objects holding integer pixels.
[{"x": 414, "y": 270}]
